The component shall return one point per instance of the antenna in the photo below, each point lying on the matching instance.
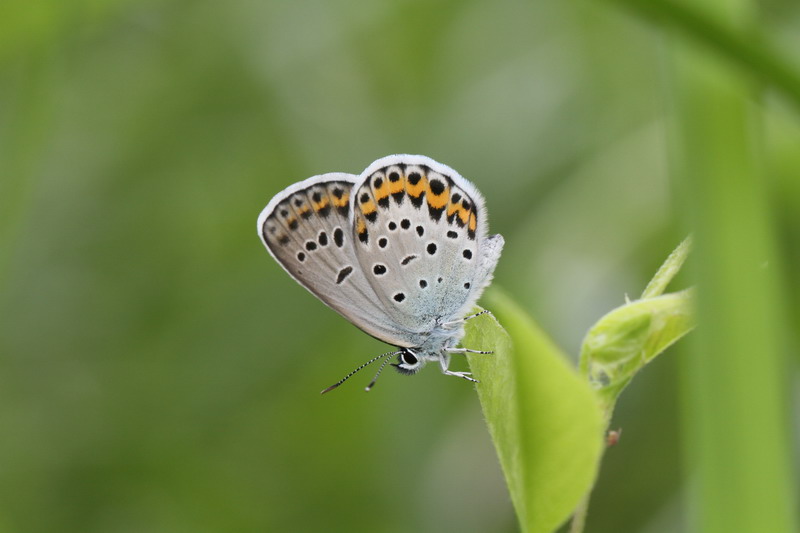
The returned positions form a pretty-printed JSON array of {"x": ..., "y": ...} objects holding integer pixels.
[
  {"x": 372, "y": 383},
  {"x": 387, "y": 354}
]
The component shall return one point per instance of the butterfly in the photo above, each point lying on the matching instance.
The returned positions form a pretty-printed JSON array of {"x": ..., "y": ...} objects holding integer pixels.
[{"x": 401, "y": 251}]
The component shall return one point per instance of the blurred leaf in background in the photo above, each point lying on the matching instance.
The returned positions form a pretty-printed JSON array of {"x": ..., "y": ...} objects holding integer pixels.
[{"x": 158, "y": 372}]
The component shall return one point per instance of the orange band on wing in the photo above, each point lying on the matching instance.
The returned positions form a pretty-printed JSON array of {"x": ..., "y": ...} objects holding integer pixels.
[
  {"x": 438, "y": 201},
  {"x": 342, "y": 201},
  {"x": 368, "y": 207},
  {"x": 383, "y": 191},
  {"x": 463, "y": 214},
  {"x": 415, "y": 190},
  {"x": 322, "y": 204},
  {"x": 397, "y": 186}
]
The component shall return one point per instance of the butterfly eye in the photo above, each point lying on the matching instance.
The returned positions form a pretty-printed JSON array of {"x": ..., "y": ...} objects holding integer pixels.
[{"x": 408, "y": 358}]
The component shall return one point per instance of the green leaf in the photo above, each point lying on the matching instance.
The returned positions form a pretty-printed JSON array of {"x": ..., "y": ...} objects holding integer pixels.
[
  {"x": 668, "y": 270},
  {"x": 629, "y": 337},
  {"x": 543, "y": 417}
]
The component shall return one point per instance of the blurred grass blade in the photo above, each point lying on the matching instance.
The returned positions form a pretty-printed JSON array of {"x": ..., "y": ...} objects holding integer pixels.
[
  {"x": 626, "y": 339},
  {"x": 543, "y": 417},
  {"x": 735, "y": 398},
  {"x": 747, "y": 50}
]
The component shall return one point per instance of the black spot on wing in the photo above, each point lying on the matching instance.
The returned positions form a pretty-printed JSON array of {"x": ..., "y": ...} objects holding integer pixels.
[{"x": 343, "y": 273}]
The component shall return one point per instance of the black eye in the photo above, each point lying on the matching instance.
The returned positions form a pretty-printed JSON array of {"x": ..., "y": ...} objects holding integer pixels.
[{"x": 408, "y": 358}]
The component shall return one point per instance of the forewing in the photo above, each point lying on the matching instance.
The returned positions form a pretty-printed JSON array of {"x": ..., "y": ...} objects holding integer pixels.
[
  {"x": 419, "y": 228},
  {"x": 307, "y": 228}
]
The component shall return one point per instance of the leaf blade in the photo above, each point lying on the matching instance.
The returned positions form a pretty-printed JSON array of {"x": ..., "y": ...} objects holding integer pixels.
[{"x": 544, "y": 418}]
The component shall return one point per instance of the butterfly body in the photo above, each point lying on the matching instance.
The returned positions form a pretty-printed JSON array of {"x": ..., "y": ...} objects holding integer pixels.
[{"x": 400, "y": 250}]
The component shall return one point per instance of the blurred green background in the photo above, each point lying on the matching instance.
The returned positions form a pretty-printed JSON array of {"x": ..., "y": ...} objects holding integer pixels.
[{"x": 159, "y": 372}]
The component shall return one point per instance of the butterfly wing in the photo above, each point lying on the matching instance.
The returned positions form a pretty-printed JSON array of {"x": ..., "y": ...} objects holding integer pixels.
[
  {"x": 307, "y": 228},
  {"x": 420, "y": 237}
]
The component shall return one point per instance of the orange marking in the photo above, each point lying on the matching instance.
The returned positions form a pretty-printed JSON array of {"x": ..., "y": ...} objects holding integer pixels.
[
  {"x": 361, "y": 226},
  {"x": 398, "y": 185},
  {"x": 382, "y": 191},
  {"x": 452, "y": 208},
  {"x": 341, "y": 202},
  {"x": 463, "y": 214},
  {"x": 302, "y": 210},
  {"x": 322, "y": 204},
  {"x": 368, "y": 208},
  {"x": 440, "y": 200},
  {"x": 416, "y": 190},
  {"x": 473, "y": 221}
]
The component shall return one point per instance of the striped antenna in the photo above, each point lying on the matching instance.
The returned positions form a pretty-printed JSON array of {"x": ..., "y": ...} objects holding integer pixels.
[
  {"x": 372, "y": 383},
  {"x": 387, "y": 354}
]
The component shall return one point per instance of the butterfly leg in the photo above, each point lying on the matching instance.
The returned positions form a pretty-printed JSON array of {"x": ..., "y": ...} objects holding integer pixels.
[
  {"x": 467, "y": 350},
  {"x": 465, "y": 375},
  {"x": 445, "y": 362},
  {"x": 461, "y": 320}
]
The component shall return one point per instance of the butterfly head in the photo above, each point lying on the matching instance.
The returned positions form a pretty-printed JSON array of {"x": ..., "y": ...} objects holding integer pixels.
[{"x": 408, "y": 362}]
